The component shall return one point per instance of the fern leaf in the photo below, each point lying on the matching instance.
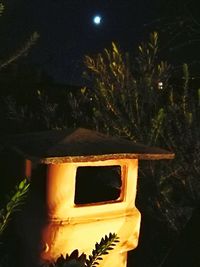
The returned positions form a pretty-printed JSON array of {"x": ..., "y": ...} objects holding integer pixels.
[{"x": 106, "y": 244}]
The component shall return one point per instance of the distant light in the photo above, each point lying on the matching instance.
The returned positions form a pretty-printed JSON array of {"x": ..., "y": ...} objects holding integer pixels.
[
  {"x": 160, "y": 85},
  {"x": 97, "y": 19}
]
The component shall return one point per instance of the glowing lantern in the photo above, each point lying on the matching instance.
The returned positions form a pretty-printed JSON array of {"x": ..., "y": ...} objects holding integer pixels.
[{"x": 83, "y": 187}]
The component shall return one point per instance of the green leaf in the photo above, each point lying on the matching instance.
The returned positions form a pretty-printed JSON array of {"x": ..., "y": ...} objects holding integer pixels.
[{"x": 13, "y": 204}]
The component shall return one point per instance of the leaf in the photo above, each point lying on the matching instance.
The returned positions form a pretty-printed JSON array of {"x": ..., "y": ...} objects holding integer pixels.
[
  {"x": 83, "y": 90},
  {"x": 140, "y": 48},
  {"x": 115, "y": 48},
  {"x": 16, "y": 200},
  {"x": 102, "y": 248},
  {"x": 74, "y": 254}
]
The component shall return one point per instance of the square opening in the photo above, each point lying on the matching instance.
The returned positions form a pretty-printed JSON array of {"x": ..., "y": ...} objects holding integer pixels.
[{"x": 96, "y": 184}]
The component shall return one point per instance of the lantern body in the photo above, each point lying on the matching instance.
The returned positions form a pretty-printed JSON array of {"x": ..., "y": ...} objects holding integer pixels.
[{"x": 73, "y": 226}]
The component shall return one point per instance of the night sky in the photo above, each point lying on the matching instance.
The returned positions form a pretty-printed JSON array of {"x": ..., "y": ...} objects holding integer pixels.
[{"x": 67, "y": 31}]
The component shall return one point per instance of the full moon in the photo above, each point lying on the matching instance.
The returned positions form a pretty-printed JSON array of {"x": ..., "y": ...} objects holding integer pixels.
[{"x": 97, "y": 19}]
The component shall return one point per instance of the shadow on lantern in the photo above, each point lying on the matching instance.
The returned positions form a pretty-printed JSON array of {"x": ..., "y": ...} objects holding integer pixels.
[{"x": 83, "y": 186}]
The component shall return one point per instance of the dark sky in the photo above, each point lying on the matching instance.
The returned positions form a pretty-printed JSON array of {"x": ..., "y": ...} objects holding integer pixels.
[{"x": 67, "y": 32}]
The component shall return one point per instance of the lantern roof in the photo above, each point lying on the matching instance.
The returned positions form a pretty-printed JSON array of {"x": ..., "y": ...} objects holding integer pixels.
[{"x": 57, "y": 146}]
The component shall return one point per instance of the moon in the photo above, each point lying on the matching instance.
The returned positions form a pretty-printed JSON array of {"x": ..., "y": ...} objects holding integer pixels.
[{"x": 97, "y": 19}]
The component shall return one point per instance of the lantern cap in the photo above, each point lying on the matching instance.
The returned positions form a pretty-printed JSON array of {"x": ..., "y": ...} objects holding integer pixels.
[{"x": 57, "y": 146}]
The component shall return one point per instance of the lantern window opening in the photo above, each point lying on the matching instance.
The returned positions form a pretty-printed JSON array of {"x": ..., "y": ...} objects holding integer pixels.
[{"x": 98, "y": 185}]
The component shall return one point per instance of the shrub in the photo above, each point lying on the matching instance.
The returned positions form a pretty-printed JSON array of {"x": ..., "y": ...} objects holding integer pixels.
[{"x": 145, "y": 99}]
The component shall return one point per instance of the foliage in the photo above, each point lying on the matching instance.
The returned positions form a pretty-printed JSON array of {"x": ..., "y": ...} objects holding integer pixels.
[
  {"x": 5, "y": 62},
  {"x": 178, "y": 25},
  {"x": 21, "y": 52},
  {"x": 127, "y": 93},
  {"x": 72, "y": 260},
  {"x": 75, "y": 260},
  {"x": 106, "y": 244},
  {"x": 40, "y": 112},
  {"x": 1, "y": 8},
  {"x": 144, "y": 99},
  {"x": 14, "y": 202}
]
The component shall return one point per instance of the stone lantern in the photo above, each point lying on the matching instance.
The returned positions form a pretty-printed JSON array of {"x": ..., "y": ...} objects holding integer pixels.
[{"x": 83, "y": 186}]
